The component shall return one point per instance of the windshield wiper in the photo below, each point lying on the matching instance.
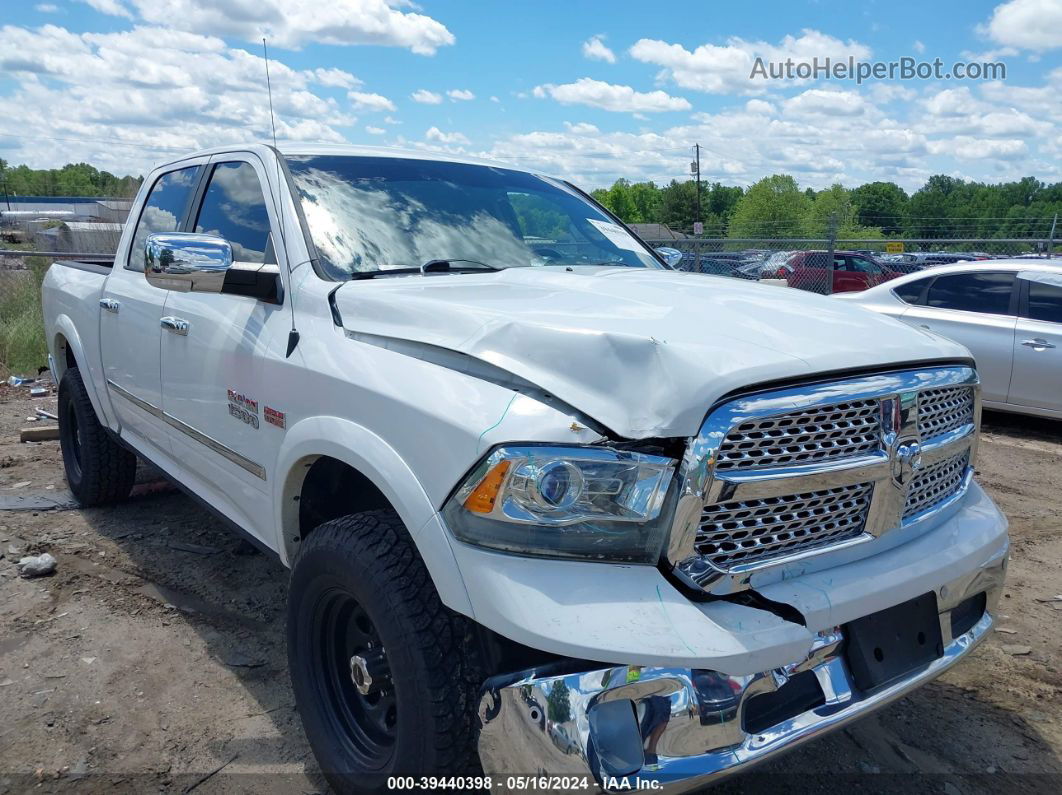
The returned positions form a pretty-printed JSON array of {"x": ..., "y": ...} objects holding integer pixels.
[{"x": 431, "y": 266}]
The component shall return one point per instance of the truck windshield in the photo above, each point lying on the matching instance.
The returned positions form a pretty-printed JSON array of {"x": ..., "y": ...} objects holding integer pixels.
[{"x": 368, "y": 214}]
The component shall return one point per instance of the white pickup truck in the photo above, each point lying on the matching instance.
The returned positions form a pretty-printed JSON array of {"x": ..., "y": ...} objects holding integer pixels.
[{"x": 549, "y": 506}]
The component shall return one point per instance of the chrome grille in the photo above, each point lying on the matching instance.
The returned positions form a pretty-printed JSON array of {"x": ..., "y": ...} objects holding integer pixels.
[
  {"x": 945, "y": 409},
  {"x": 755, "y": 530},
  {"x": 936, "y": 484},
  {"x": 826, "y": 433}
]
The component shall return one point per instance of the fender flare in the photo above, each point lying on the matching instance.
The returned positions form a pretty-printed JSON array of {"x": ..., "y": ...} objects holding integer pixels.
[{"x": 364, "y": 451}]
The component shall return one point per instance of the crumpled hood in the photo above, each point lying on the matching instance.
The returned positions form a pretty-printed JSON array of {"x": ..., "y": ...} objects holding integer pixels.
[{"x": 644, "y": 352}]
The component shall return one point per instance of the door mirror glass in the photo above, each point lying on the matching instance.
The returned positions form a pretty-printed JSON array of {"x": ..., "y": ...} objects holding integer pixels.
[{"x": 672, "y": 256}]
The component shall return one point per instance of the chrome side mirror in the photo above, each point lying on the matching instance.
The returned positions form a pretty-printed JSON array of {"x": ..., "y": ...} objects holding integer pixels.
[
  {"x": 186, "y": 262},
  {"x": 672, "y": 256},
  {"x": 195, "y": 263}
]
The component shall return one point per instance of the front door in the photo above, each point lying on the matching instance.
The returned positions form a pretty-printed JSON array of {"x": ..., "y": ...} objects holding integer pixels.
[
  {"x": 1037, "y": 379},
  {"x": 227, "y": 363},
  {"x": 130, "y": 309},
  {"x": 976, "y": 310}
]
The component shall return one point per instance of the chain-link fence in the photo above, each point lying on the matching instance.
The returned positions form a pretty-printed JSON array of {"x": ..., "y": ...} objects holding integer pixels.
[
  {"x": 33, "y": 233},
  {"x": 824, "y": 265}
]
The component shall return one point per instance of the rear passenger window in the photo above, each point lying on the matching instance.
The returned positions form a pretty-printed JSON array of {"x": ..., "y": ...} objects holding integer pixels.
[
  {"x": 1045, "y": 302},
  {"x": 910, "y": 293},
  {"x": 234, "y": 208},
  {"x": 988, "y": 293},
  {"x": 162, "y": 211}
]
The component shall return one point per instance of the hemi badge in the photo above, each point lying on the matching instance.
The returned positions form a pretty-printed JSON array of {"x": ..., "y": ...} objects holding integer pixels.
[{"x": 274, "y": 417}]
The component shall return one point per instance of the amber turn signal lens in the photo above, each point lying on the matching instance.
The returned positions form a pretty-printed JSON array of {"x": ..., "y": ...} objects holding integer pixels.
[{"x": 483, "y": 496}]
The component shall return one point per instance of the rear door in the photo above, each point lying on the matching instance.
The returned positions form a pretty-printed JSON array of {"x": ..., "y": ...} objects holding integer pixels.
[
  {"x": 1037, "y": 379},
  {"x": 130, "y": 309},
  {"x": 977, "y": 310},
  {"x": 228, "y": 365}
]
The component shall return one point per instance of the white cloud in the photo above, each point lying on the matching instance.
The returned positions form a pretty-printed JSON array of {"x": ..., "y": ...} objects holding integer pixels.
[
  {"x": 722, "y": 69},
  {"x": 594, "y": 49},
  {"x": 293, "y": 23},
  {"x": 129, "y": 99},
  {"x": 460, "y": 94},
  {"x": 425, "y": 97},
  {"x": 918, "y": 47},
  {"x": 334, "y": 78},
  {"x": 1028, "y": 24},
  {"x": 375, "y": 130},
  {"x": 989, "y": 55},
  {"x": 435, "y": 134},
  {"x": 113, "y": 8},
  {"x": 581, "y": 128},
  {"x": 361, "y": 100},
  {"x": 494, "y": 99},
  {"x": 965, "y": 147},
  {"x": 46, "y": 8},
  {"x": 608, "y": 96},
  {"x": 817, "y": 101},
  {"x": 391, "y": 120},
  {"x": 953, "y": 102}
]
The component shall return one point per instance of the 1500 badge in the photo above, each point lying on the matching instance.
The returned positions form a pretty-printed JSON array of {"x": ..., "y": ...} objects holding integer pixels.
[{"x": 243, "y": 408}]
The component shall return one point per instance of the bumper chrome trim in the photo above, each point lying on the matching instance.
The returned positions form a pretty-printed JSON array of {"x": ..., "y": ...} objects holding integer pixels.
[{"x": 688, "y": 722}]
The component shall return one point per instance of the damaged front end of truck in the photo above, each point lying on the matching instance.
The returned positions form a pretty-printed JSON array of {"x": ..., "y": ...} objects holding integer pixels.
[{"x": 838, "y": 553}]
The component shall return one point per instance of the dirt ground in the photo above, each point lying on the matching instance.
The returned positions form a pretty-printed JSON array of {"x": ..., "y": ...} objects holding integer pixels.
[{"x": 153, "y": 660}]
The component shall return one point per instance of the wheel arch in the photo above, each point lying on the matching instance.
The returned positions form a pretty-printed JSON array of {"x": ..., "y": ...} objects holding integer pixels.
[
  {"x": 370, "y": 474},
  {"x": 67, "y": 350}
]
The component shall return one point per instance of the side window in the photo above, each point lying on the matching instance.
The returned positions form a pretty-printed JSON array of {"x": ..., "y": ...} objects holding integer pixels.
[
  {"x": 162, "y": 211},
  {"x": 973, "y": 292},
  {"x": 234, "y": 208},
  {"x": 1045, "y": 302},
  {"x": 911, "y": 293},
  {"x": 864, "y": 265}
]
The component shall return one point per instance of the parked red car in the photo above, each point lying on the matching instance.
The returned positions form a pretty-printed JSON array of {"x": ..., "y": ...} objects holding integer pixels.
[{"x": 850, "y": 272}]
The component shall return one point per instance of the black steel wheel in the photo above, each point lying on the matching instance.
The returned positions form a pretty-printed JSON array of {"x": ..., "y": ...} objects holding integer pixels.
[{"x": 386, "y": 678}]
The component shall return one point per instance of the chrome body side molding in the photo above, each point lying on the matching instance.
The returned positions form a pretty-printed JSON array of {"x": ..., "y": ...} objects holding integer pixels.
[{"x": 226, "y": 452}]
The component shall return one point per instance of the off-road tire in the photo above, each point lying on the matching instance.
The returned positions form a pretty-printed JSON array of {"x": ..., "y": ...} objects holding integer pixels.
[
  {"x": 434, "y": 674},
  {"x": 98, "y": 469}
]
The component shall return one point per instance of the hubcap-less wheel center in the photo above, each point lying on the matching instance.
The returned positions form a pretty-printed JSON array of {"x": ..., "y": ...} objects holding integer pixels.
[{"x": 368, "y": 670}]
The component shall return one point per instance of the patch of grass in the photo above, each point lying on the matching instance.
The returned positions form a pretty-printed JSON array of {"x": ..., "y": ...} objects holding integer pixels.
[{"x": 22, "y": 347}]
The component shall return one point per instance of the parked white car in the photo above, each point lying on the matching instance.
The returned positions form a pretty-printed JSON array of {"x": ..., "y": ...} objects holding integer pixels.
[{"x": 1007, "y": 312}]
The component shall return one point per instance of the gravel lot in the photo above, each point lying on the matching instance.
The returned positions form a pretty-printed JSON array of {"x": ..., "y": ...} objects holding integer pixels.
[{"x": 153, "y": 660}]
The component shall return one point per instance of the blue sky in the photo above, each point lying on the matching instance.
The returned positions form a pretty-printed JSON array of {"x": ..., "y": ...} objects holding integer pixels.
[{"x": 587, "y": 90}]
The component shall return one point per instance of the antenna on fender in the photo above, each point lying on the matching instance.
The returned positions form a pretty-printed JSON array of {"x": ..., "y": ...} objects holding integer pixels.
[{"x": 293, "y": 335}]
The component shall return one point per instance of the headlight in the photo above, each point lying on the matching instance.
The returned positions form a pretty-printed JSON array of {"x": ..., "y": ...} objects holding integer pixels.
[{"x": 566, "y": 502}]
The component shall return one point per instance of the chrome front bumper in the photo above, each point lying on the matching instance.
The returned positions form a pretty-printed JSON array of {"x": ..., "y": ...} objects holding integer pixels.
[{"x": 679, "y": 729}]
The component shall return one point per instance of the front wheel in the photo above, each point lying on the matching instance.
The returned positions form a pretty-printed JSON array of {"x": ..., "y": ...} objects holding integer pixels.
[{"x": 385, "y": 677}]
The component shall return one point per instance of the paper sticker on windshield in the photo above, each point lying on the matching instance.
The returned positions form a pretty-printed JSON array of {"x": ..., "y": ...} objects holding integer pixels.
[{"x": 619, "y": 236}]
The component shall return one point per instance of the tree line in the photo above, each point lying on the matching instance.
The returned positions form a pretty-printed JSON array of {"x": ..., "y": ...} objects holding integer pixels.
[
  {"x": 73, "y": 179},
  {"x": 776, "y": 207}
]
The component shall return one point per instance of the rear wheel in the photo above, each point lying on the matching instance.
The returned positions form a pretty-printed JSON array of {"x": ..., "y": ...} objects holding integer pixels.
[
  {"x": 385, "y": 677},
  {"x": 98, "y": 469}
]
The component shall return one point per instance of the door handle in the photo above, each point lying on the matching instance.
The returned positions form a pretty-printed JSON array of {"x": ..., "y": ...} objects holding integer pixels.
[
  {"x": 175, "y": 325},
  {"x": 926, "y": 327},
  {"x": 110, "y": 305},
  {"x": 1038, "y": 344}
]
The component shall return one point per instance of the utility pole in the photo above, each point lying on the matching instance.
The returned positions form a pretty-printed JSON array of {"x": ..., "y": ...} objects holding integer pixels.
[
  {"x": 1051, "y": 237},
  {"x": 697, "y": 172}
]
